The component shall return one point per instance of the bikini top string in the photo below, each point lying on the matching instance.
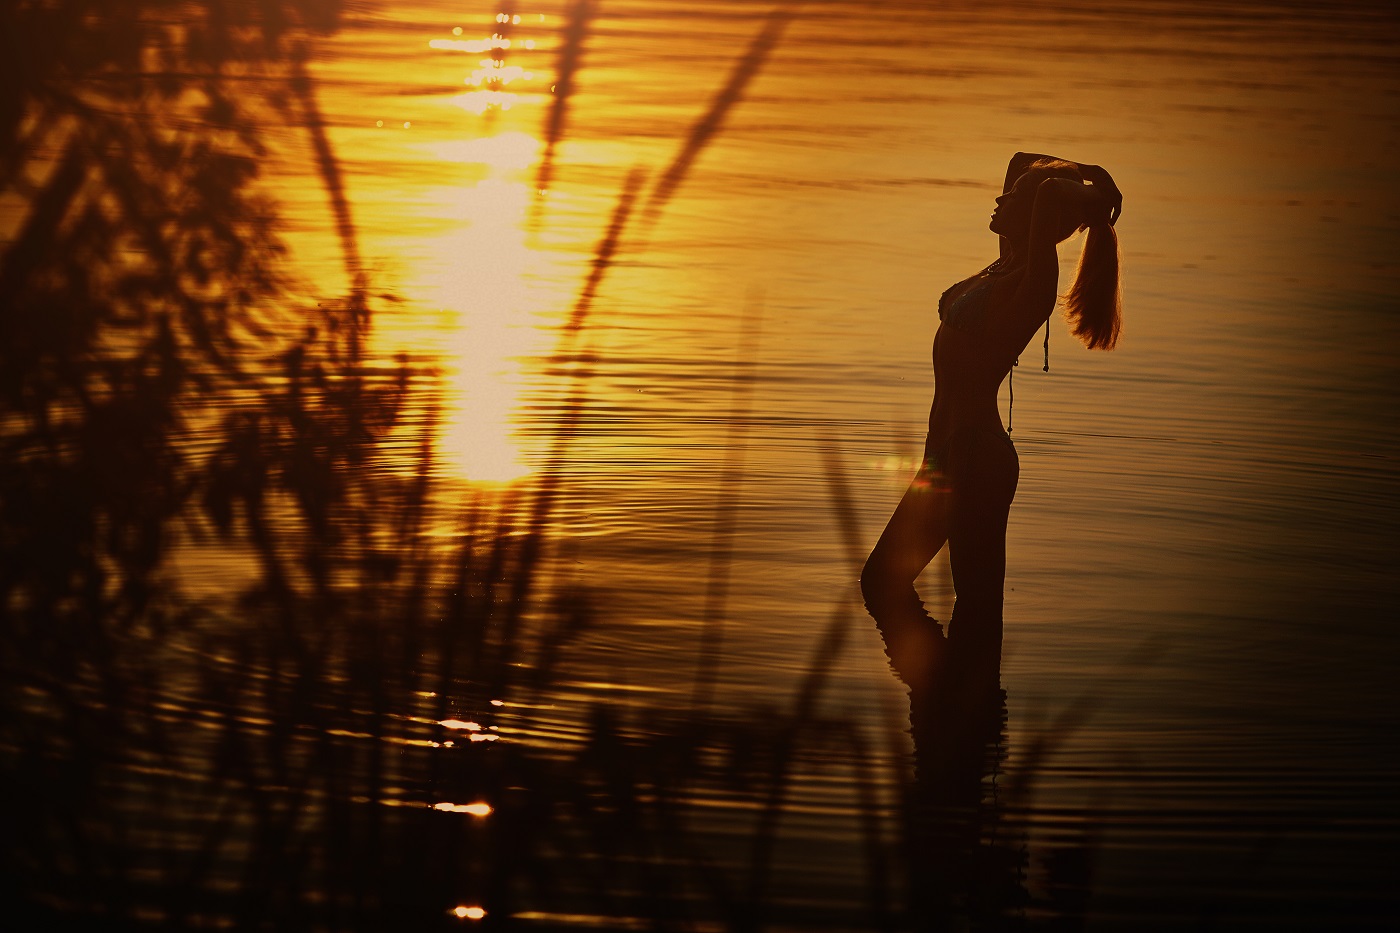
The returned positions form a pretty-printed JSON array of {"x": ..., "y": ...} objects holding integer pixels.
[
  {"x": 1011, "y": 378},
  {"x": 1011, "y": 388}
]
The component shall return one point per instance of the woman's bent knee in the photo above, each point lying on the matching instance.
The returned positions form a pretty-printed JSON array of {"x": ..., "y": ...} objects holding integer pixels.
[
  {"x": 880, "y": 582},
  {"x": 874, "y": 580},
  {"x": 868, "y": 573}
]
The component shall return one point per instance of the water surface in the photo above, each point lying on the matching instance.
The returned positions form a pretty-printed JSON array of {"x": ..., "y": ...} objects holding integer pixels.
[
  {"x": 1202, "y": 551},
  {"x": 1203, "y": 541}
]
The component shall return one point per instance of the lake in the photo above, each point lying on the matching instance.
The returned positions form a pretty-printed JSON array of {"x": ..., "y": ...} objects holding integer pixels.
[{"x": 1202, "y": 587}]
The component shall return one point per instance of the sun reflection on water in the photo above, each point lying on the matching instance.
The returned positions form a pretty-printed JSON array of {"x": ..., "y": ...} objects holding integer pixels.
[
  {"x": 493, "y": 72},
  {"x": 488, "y": 266},
  {"x": 478, "y": 809},
  {"x": 486, "y": 285}
]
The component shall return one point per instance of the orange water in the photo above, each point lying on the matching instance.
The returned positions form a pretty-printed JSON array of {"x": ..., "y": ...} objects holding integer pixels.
[
  {"x": 1204, "y": 538},
  {"x": 1203, "y": 543}
]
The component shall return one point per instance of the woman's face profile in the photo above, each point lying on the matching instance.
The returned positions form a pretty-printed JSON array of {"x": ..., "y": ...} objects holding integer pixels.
[{"x": 1012, "y": 216}]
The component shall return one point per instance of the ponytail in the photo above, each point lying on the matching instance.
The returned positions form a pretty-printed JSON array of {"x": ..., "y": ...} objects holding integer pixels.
[{"x": 1094, "y": 303}]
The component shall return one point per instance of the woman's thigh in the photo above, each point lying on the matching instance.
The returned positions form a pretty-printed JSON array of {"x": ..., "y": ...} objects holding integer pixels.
[
  {"x": 985, "y": 470},
  {"x": 915, "y": 532}
]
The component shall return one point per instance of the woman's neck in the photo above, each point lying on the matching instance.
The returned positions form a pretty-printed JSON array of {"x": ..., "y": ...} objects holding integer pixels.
[{"x": 1013, "y": 253}]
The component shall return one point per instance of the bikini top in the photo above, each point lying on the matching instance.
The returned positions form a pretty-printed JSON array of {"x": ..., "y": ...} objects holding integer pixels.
[{"x": 968, "y": 311}]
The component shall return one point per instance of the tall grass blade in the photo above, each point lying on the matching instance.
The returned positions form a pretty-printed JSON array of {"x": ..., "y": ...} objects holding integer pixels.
[
  {"x": 803, "y": 715},
  {"x": 746, "y": 67},
  {"x": 329, "y": 169},
  {"x": 550, "y": 478},
  {"x": 578, "y": 17},
  {"x": 722, "y": 545}
]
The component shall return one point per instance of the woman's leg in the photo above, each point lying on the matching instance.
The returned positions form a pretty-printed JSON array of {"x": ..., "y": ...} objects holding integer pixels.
[
  {"x": 915, "y": 533},
  {"x": 984, "y": 469}
]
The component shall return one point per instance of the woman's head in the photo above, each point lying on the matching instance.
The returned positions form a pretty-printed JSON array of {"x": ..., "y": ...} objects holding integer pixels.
[
  {"x": 1012, "y": 216},
  {"x": 1093, "y": 303}
]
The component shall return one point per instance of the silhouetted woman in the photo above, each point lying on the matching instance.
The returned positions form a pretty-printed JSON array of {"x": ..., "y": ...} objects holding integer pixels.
[{"x": 963, "y": 490}]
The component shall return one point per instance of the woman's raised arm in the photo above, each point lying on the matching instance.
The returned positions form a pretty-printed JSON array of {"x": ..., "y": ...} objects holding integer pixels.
[
  {"x": 1095, "y": 175},
  {"x": 1061, "y": 205},
  {"x": 1018, "y": 165}
]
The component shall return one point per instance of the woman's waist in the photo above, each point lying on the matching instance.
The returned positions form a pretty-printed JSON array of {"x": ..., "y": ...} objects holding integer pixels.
[
  {"x": 970, "y": 356},
  {"x": 965, "y": 400},
  {"x": 945, "y": 419}
]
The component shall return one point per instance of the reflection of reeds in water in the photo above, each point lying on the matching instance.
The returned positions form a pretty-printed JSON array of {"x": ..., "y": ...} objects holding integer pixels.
[{"x": 347, "y": 741}]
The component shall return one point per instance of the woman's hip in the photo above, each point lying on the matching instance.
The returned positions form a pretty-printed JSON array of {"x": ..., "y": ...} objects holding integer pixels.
[{"x": 977, "y": 457}]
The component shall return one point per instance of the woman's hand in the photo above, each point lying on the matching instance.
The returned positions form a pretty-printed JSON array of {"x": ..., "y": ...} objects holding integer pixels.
[
  {"x": 1102, "y": 182},
  {"x": 1071, "y": 201},
  {"x": 1095, "y": 175}
]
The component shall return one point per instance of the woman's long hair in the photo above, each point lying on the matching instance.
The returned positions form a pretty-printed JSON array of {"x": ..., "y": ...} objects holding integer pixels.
[{"x": 1094, "y": 302}]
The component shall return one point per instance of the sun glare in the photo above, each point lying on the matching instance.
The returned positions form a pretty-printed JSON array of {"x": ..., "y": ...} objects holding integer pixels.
[
  {"x": 480, "y": 274},
  {"x": 485, "y": 283},
  {"x": 485, "y": 286}
]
